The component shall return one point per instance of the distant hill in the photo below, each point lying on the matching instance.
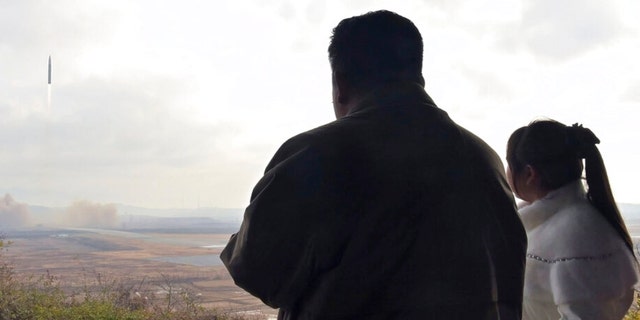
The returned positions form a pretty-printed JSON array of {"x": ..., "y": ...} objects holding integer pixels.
[
  {"x": 224, "y": 214},
  {"x": 131, "y": 217},
  {"x": 177, "y": 224}
]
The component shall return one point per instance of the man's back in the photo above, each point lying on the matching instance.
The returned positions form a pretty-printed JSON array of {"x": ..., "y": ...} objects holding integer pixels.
[{"x": 392, "y": 212}]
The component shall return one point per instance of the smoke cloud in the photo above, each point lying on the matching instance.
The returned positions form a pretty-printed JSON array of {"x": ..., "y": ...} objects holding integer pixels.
[
  {"x": 91, "y": 215},
  {"x": 12, "y": 213}
]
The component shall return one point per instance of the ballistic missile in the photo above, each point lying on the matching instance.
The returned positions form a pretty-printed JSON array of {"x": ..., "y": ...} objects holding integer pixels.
[{"x": 49, "y": 78}]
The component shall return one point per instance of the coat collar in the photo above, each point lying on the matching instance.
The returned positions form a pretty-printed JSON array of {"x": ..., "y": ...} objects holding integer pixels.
[
  {"x": 394, "y": 95},
  {"x": 541, "y": 210}
]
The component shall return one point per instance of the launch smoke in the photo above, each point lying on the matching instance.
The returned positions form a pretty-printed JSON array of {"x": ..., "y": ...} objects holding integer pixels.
[
  {"x": 12, "y": 213},
  {"x": 91, "y": 215}
]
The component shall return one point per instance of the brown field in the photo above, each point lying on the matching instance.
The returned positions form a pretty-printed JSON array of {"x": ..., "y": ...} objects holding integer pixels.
[{"x": 78, "y": 258}]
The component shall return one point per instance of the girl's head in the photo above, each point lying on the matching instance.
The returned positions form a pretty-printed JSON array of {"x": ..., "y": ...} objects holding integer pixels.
[{"x": 546, "y": 155}]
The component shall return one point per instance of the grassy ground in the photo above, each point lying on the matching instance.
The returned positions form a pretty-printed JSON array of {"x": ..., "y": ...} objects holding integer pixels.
[
  {"x": 44, "y": 297},
  {"x": 81, "y": 259}
]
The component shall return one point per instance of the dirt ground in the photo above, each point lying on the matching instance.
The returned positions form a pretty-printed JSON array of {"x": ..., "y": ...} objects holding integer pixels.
[{"x": 83, "y": 257}]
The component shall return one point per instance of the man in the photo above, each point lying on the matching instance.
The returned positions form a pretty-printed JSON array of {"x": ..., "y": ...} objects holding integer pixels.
[{"x": 390, "y": 212}]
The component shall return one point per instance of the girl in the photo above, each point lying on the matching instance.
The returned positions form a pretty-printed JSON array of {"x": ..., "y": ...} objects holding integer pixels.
[{"x": 580, "y": 262}]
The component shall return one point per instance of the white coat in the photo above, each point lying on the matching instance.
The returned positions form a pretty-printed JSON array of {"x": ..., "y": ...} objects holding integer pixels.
[{"x": 577, "y": 266}]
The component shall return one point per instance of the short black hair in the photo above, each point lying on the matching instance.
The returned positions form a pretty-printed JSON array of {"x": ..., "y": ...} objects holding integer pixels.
[{"x": 376, "y": 47}]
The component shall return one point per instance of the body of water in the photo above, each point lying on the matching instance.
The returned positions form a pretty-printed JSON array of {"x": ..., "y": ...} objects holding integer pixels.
[{"x": 201, "y": 260}]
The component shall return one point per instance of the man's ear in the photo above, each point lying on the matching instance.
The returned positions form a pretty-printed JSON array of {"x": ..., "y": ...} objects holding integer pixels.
[{"x": 342, "y": 89}]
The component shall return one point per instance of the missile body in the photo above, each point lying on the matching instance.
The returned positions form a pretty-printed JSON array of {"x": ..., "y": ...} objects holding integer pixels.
[{"x": 49, "y": 77}]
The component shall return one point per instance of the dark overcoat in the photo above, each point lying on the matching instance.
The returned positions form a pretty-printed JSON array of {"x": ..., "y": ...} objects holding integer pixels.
[{"x": 391, "y": 212}]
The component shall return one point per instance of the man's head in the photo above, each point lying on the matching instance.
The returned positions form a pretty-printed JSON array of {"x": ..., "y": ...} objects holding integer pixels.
[{"x": 374, "y": 49}]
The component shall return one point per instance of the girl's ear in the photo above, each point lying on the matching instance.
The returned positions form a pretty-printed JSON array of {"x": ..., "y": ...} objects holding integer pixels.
[{"x": 531, "y": 176}]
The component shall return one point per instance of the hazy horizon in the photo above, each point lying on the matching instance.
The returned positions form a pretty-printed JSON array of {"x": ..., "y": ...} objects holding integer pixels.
[{"x": 15, "y": 214}]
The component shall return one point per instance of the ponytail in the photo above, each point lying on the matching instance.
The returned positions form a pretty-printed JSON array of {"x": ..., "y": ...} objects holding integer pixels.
[
  {"x": 556, "y": 151},
  {"x": 599, "y": 194}
]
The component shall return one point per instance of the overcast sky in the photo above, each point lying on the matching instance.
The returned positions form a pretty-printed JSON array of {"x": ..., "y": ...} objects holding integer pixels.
[{"x": 182, "y": 103}]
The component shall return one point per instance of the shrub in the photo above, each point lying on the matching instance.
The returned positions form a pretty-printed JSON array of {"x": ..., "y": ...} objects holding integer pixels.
[
  {"x": 42, "y": 298},
  {"x": 634, "y": 311}
]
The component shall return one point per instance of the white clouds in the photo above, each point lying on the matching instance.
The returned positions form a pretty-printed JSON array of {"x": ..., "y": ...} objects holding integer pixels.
[
  {"x": 632, "y": 92},
  {"x": 162, "y": 104},
  {"x": 35, "y": 29},
  {"x": 154, "y": 103},
  {"x": 103, "y": 133},
  {"x": 36, "y": 24},
  {"x": 557, "y": 31},
  {"x": 571, "y": 61},
  {"x": 99, "y": 117}
]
